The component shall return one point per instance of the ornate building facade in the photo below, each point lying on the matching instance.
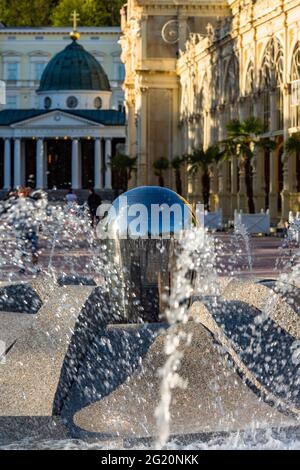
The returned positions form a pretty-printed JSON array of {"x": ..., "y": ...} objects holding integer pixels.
[
  {"x": 71, "y": 134},
  {"x": 194, "y": 65}
]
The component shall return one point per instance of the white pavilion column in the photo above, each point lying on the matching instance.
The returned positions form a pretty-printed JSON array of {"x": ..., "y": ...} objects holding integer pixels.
[
  {"x": 17, "y": 163},
  {"x": 45, "y": 165},
  {"x": 98, "y": 164},
  {"x": 108, "y": 149},
  {"x": 40, "y": 164},
  {"x": 7, "y": 164},
  {"x": 76, "y": 170}
]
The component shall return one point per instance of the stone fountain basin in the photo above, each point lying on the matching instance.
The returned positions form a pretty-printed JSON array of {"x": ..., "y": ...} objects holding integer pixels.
[
  {"x": 217, "y": 399},
  {"x": 102, "y": 379}
]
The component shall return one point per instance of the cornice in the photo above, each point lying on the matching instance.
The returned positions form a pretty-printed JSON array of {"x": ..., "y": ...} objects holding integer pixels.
[{"x": 116, "y": 30}]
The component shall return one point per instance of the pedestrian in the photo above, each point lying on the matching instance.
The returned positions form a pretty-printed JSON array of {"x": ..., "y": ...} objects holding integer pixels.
[
  {"x": 71, "y": 198},
  {"x": 94, "y": 201},
  {"x": 27, "y": 215}
]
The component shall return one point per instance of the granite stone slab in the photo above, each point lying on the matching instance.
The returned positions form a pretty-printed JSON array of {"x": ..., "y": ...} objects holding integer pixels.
[
  {"x": 216, "y": 398},
  {"x": 30, "y": 376}
]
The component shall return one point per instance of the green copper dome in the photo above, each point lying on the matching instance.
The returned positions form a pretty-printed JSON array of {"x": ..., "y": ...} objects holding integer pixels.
[{"x": 74, "y": 69}]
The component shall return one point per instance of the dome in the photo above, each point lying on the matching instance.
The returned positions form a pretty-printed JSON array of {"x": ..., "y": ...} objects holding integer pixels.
[{"x": 74, "y": 68}]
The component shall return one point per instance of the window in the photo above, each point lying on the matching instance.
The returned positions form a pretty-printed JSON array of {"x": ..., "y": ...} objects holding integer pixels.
[
  {"x": 47, "y": 102},
  {"x": 98, "y": 102},
  {"x": 38, "y": 69},
  {"x": 11, "y": 102},
  {"x": 12, "y": 71},
  {"x": 72, "y": 102},
  {"x": 119, "y": 71},
  {"x": 295, "y": 87},
  {"x": 271, "y": 78}
]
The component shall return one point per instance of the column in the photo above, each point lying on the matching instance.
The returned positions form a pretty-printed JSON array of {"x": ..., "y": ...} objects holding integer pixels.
[
  {"x": 223, "y": 190},
  {"x": 143, "y": 164},
  {"x": 98, "y": 164},
  {"x": 285, "y": 194},
  {"x": 224, "y": 183},
  {"x": 142, "y": 50},
  {"x": 234, "y": 183},
  {"x": 40, "y": 164},
  {"x": 242, "y": 194},
  {"x": 194, "y": 181},
  {"x": 17, "y": 163},
  {"x": 273, "y": 190},
  {"x": 258, "y": 178},
  {"x": 287, "y": 176},
  {"x": 76, "y": 183},
  {"x": 108, "y": 182},
  {"x": 45, "y": 164},
  {"x": 182, "y": 31},
  {"x": 7, "y": 164},
  {"x": 23, "y": 163},
  {"x": 213, "y": 192}
]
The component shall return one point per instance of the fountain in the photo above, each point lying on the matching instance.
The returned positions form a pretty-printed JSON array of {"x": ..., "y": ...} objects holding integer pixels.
[{"x": 161, "y": 351}]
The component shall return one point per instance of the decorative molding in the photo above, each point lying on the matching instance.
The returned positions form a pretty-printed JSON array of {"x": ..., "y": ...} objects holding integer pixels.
[
  {"x": 11, "y": 53},
  {"x": 39, "y": 53}
]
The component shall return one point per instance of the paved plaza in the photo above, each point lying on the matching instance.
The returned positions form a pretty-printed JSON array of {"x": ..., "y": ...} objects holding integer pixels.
[{"x": 269, "y": 256}]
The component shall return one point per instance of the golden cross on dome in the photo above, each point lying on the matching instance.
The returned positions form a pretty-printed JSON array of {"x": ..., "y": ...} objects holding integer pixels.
[{"x": 75, "y": 17}]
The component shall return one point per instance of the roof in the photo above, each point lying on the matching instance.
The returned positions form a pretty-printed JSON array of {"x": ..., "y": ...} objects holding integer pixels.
[
  {"x": 106, "y": 117},
  {"x": 59, "y": 29},
  {"x": 74, "y": 68}
]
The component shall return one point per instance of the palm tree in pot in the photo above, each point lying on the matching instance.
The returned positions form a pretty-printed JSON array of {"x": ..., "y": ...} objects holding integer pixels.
[
  {"x": 202, "y": 159},
  {"x": 160, "y": 166},
  {"x": 176, "y": 164},
  {"x": 243, "y": 138},
  {"x": 123, "y": 165}
]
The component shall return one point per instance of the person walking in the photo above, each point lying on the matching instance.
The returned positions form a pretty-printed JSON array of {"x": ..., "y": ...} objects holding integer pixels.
[
  {"x": 71, "y": 198},
  {"x": 26, "y": 214},
  {"x": 94, "y": 201}
]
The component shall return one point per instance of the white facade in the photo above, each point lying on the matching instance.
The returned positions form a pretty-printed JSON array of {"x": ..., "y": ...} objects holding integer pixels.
[
  {"x": 57, "y": 139},
  {"x": 58, "y": 126},
  {"x": 231, "y": 59},
  {"x": 25, "y": 52}
]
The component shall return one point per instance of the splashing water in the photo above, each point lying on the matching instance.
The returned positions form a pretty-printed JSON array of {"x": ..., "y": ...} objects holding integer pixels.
[
  {"x": 195, "y": 276},
  {"x": 242, "y": 239},
  {"x": 65, "y": 233}
]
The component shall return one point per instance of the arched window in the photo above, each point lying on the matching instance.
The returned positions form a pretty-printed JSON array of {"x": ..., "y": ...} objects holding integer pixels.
[
  {"x": 231, "y": 89},
  {"x": 295, "y": 87},
  {"x": 204, "y": 102},
  {"x": 249, "y": 90},
  {"x": 271, "y": 78}
]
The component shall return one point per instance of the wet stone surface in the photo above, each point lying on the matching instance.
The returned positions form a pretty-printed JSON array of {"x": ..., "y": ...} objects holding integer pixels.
[
  {"x": 73, "y": 280},
  {"x": 19, "y": 298}
]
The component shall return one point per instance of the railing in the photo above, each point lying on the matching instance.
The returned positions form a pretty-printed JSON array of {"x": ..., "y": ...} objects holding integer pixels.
[
  {"x": 213, "y": 220},
  {"x": 253, "y": 223}
]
